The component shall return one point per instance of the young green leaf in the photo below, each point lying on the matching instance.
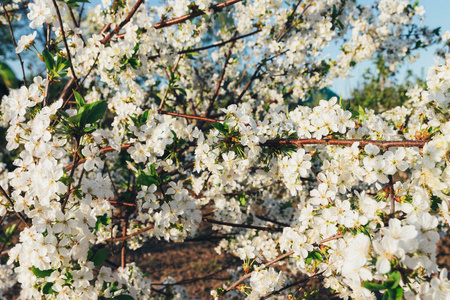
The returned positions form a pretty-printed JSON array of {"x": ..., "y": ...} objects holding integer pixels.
[
  {"x": 48, "y": 59},
  {"x": 99, "y": 257},
  {"x": 79, "y": 99},
  {"x": 41, "y": 273},
  {"x": 92, "y": 113},
  {"x": 373, "y": 286}
]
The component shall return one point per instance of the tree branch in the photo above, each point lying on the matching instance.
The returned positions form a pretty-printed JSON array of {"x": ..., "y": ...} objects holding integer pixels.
[
  {"x": 69, "y": 57},
  {"x": 15, "y": 44},
  {"x": 215, "y": 8},
  {"x": 243, "y": 225},
  {"x": 22, "y": 218},
  {"x": 123, "y": 23},
  {"x": 122, "y": 238}
]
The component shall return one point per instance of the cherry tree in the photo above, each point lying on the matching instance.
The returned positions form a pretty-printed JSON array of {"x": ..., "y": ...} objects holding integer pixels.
[{"x": 150, "y": 121}]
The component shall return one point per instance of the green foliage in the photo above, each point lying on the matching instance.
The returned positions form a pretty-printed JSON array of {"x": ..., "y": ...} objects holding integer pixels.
[
  {"x": 56, "y": 69},
  {"x": 379, "y": 91},
  {"x": 86, "y": 114},
  {"x": 393, "y": 290},
  {"x": 99, "y": 257},
  {"x": 41, "y": 273},
  {"x": 75, "y": 3}
]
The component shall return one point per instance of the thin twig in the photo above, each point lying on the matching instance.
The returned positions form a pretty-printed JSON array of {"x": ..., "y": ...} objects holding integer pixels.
[
  {"x": 110, "y": 179},
  {"x": 22, "y": 218},
  {"x": 255, "y": 75},
  {"x": 58, "y": 14},
  {"x": 15, "y": 44},
  {"x": 72, "y": 172},
  {"x": 168, "y": 84},
  {"x": 72, "y": 16},
  {"x": 81, "y": 13},
  {"x": 288, "y": 25},
  {"x": 305, "y": 280},
  {"x": 189, "y": 116},
  {"x": 279, "y": 258},
  {"x": 222, "y": 76},
  {"x": 275, "y": 229},
  {"x": 391, "y": 195},
  {"x": 123, "y": 23},
  {"x": 337, "y": 142},
  {"x": 130, "y": 235},
  {"x": 234, "y": 39},
  {"x": 123, "y": 257},
  {"x": 215, "y": 8}
]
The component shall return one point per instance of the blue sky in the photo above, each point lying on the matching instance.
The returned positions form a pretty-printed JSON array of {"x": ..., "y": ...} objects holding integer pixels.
[{"x": 437, "y": 15}]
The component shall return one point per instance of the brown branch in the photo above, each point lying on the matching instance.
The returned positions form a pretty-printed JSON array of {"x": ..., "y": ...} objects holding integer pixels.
[
  {"x": 215, "y": 8},
  {"x": 294, "y": 142},
  {"x": 189, "y": 116},
  {"x": 219, "y": 83},
  {"x": 123, "y": 23},
  {"x": 74, "y": 165},
  {"x": 69, "y": 57},
  {"x": 25, "y": 6},
  {"x": 22, "y": 218},
  {"x": 305, "y": 281},
  {"x": 121, "y": 203},
  {"x": 175, "y": 66},
  {"x": 281, "y": 257},
  {"x": 14, "y": 42},
  {"x": 392, "y": 195},
  {"x": 74, "y": 21},
  {"x": 288, "y": 25},
  {"x": 104, "y": 150},
  {"x": 123, "y": 250},
  {"x": 264, "y": 218},
  {"x": 255, "y": 75},
  {"x": 234, "y": 39},
  {"x": 243, "y": 225},
  {"x": 348, "y": 143},
  {"x": 130, "y": 235}
]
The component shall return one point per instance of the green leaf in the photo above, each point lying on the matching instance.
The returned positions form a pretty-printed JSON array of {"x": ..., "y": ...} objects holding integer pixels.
[
  {"x": 394, "y": 280},
  {"x": 396, "y": 294},
  {"x": 7, "y": 76},
  {"x": 48, "y": 59},
  {"x": 62, "y": 64},
  {"x": 181, "y": 91},
  {"x": 75, "y": 120},
  {"x": 219, "y": 126},
  {"x": 373, "y": 286},
  {"x": 99, "y": 257},
  {"x": 41, "y": 273},
  {"x": 74, "y": 3},
  {"x": 122, "y": 297},
  {"x": 79, "y": 99},
  {"x": 9, "y": 231},
  {"x": 318, "y": 256},
  {"x": 47, "y": 289},
  {"x": 90, "y": 129},
  {"x": 92, "y": 113},
  {"x": 147, "y": 180},
  {"x": 241, "y": 199},
  {"x": 102, "y": 220}
]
